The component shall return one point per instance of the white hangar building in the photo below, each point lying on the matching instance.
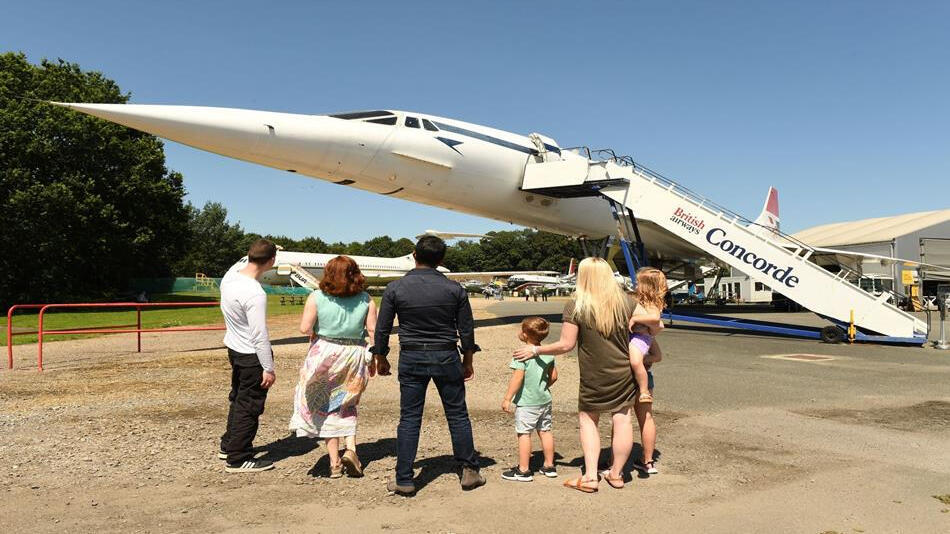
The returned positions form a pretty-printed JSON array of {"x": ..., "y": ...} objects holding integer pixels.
[{"x": 920, "y": 237}]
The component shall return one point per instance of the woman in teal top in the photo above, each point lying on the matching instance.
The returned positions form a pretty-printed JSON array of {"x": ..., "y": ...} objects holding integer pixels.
[{"x": 338, "y": 365}]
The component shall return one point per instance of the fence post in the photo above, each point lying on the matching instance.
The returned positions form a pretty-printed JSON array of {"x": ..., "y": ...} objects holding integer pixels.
[
  {"x": 39, "y": 359},
  {"x": 138, "y": 321},
  {"x": 10, "y": 337}
]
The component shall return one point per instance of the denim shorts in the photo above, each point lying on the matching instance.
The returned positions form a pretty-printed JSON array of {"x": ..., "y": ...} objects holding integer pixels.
[
  {"x": 650, "y": 380},
  {"x": 528, "y": 418}
]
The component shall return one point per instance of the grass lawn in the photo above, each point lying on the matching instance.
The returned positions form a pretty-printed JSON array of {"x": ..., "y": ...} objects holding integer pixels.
[{"x": 151, "y": 318}]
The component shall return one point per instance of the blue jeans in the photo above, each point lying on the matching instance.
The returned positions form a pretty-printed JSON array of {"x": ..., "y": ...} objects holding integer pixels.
[{"x": 443, "y": 367}]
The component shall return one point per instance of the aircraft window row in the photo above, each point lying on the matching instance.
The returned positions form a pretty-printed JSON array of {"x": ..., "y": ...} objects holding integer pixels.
[
  {"x": 361, "y": 114},
  {"x": 413, "y": 122},
  {"x": 390, "y": 121}
]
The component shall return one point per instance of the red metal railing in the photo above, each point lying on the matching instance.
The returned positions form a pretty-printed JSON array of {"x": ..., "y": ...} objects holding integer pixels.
[{"x": 116, "y": 329}]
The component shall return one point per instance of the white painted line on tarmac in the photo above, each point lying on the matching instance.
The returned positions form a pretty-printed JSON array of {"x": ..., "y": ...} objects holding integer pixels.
[{"x": 810, "y": 358}]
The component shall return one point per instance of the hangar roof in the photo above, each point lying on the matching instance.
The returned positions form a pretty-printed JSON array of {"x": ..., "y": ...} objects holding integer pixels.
[{"x": 871, "y": 230}]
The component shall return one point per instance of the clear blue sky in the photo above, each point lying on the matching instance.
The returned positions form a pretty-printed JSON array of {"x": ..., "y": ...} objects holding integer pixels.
[{"x": 844, "y": 106}]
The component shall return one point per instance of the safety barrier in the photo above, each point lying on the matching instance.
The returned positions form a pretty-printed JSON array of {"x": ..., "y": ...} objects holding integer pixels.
[{"x": 115, "y": 329}]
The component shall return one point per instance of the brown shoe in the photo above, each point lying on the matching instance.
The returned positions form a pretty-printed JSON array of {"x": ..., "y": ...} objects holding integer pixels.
[
  {"x": 471, "y": 479},
  {"x": 352, "y": 464},
  {"x": 399, "y": 489}
]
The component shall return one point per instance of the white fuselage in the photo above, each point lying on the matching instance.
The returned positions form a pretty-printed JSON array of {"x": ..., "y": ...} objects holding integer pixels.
[{"x": 440, "y": 162}]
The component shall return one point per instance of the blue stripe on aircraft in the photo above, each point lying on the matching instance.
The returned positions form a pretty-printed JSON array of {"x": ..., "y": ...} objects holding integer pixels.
[
  {"x": 483, "y": 137},
  {"x": 450, "y": 143}
]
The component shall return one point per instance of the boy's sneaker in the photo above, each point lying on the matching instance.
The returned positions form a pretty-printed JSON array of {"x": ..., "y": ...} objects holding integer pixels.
[
  {"x": 249, "y": 466},
  {"x": 518, "y": 475},
  {"x": 648, "y": 468},
  {"x": 550, "y": 472}
]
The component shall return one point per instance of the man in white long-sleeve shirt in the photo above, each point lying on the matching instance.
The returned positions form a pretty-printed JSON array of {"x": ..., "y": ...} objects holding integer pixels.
[{"x": 244, "y": 305}]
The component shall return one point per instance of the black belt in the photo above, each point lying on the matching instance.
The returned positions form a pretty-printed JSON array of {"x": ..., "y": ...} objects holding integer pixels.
[{"x": 428, "y": 346}]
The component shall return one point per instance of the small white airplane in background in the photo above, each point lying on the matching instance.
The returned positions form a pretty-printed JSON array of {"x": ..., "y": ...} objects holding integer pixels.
[
  {"x": 554, "y": 280},
  {"x": 377, "y": 270}
]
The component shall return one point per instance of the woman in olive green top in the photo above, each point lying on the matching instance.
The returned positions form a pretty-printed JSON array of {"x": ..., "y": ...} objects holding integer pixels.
[{"x": 596, "y": 322}]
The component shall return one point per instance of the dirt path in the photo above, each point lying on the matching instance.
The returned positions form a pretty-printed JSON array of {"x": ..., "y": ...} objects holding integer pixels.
[{"x": 108, "y": 440}]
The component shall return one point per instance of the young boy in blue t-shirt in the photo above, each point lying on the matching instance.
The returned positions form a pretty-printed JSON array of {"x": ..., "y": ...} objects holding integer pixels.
[{"x": 529, "y": 398}]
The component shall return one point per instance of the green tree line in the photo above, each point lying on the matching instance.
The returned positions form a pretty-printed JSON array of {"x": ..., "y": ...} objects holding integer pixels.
[
  {"x": 214, "y": 244},
  {"x": 84, "y": 204}
]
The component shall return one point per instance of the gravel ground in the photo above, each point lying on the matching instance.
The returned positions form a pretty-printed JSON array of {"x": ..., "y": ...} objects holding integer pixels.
[{"x": 109, "y": 440}]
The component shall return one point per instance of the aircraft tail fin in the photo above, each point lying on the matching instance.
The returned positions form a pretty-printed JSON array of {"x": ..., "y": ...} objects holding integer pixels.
[
  {"x": 769, "y": 217},
  {"x": 572, "y": 267}
]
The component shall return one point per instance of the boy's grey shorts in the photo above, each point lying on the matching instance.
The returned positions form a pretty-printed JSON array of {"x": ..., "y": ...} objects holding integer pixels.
[{"x": 528, "y": 418}]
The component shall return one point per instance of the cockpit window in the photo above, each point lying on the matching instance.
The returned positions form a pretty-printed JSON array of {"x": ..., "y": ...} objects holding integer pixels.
[
  {"x": 427, "y": 124},
  {"x": 390, "y": 121},
  {"x": 412, "y": 122},
  {"x": 361, "y": 114}
]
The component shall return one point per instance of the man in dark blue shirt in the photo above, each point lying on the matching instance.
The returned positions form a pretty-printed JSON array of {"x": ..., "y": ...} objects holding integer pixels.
[{"x": 434, "y": 318}]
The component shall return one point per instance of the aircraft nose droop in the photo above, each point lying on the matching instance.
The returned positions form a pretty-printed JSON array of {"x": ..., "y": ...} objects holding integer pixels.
[{"x": 315, "y": 145}]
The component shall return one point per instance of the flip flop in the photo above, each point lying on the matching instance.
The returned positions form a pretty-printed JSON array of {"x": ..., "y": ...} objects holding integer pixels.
[
  {"x": 578, "y": 484},
  {"x": 613, "y": 482}
]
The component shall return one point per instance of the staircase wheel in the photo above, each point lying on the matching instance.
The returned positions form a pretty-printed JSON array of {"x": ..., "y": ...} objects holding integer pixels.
[{"x": 832, "y": 334}]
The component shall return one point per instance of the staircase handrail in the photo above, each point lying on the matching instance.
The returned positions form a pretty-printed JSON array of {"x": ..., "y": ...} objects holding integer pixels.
[{"x": 700, "y": 200}]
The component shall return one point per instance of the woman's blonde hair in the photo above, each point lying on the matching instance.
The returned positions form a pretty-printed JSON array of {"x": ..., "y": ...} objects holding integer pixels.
[
  {"x": 651, "y": 287},
  {"x": 600, "y": 301}
]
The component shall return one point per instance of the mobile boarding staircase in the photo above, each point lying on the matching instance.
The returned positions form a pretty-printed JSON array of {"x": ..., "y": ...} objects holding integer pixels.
[
  {"x": 775, "y": 259},
  {"x": 298, "y": 275}
]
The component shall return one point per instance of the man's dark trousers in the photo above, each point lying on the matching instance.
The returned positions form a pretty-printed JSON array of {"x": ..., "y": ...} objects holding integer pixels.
[
  {"x": 416, "y": 368},
  {"x": 246, "y": 406}
]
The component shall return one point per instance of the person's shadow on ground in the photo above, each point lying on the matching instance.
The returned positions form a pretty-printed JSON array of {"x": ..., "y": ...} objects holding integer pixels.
[
  {"x": 286, "y": 447},
  {"x": 368, "y": 453},
  {"x": 604, "y": 461},
  {"x": 436, "y": 466},
  {"x": 429, "y": 468},
  {"x": 537, "y": 460}
]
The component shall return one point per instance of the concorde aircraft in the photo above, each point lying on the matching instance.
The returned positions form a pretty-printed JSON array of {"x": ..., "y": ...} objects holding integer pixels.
[
  {"x": 527, "y": 180},
  {"x": 414, "y": 156}
]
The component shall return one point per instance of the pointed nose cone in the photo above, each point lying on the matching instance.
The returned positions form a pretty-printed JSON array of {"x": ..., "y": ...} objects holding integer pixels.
[
  {"x": 316, "y": 145},
  {"x": 231, "y": 132}
]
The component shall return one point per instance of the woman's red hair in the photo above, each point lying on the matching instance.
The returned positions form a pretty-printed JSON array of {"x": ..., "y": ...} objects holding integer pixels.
[{"x": 342, "y": 278}]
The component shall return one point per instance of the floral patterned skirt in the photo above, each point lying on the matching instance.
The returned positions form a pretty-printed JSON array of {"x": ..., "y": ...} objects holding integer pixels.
[{"x": 332, "y": 379}]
